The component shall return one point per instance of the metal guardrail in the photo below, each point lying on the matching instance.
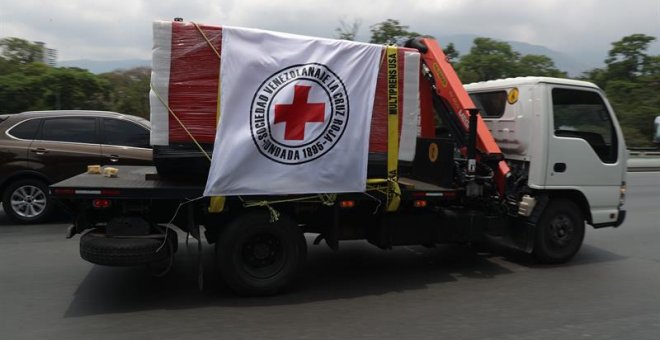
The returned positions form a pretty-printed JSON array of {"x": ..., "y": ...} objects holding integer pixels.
[
  {"x": 644, "y": 153},
  {"x": 643, "y": 160}
]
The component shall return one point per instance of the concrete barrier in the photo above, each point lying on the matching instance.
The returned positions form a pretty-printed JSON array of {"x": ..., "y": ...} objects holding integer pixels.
[{"x": 639, "y": 160}]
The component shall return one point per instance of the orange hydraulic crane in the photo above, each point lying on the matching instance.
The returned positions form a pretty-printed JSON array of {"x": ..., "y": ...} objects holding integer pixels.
[{"x": 462, "y": 116}]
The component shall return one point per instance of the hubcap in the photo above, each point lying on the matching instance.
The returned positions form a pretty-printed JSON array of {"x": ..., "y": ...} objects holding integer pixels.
[
  {"x": 263, "y": 255},
  {"x": 28, "y": 201},
  {"x": 561, "y": 230}
]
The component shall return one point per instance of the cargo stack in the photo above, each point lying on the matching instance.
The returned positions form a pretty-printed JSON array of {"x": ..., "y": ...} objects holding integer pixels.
[{"x": 185, "y": 101}]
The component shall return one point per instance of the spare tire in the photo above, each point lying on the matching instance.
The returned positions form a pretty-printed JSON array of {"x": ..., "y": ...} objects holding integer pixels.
[{"x": 101, "y": 249}]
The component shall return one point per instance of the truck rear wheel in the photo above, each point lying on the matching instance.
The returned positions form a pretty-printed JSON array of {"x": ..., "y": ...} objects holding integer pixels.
[
  {"x": 257, "y": 257},
  {"x": 559, "y": 233}
]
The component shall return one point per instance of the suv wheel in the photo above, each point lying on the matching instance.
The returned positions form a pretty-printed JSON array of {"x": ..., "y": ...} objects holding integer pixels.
[{"x": 27, "y": 201}]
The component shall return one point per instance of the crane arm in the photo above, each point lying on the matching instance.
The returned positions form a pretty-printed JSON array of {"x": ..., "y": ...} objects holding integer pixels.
[{"x": 448, "y": 89}]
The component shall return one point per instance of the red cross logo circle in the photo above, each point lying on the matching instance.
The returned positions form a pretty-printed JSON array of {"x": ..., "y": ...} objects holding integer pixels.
[{"x": 299, "y": 113}]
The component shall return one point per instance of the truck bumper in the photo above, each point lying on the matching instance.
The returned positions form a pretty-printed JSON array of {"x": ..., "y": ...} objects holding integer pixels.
[{"x": 618, "y": 222}]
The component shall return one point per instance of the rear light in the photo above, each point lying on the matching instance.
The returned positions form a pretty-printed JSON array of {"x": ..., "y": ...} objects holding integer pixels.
[
  {"x": 622, "y": 193},
  {"x": 420, "y": 203},
  {"x": 100, "y": 203},
  {"x": 346, "y": 204}
]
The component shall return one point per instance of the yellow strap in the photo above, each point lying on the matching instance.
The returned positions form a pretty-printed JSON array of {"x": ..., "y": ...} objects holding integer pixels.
[
  {"x": 394, "y": 192},
  {"x": 217, "y": 202}
]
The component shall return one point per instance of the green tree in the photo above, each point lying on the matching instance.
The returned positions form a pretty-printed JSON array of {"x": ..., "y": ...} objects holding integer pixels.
[
  {"x": 28, "y": 86},
  {"x": 389, "y": 31},
  {"x": 19, "y": 51},
  {"x": 74, "y": 88},
  {"x": 631, "y": 80},
  {"x": 628, "y": 58},
  {"x": 20, "y": 92},
  {"x": 451, "y": 52},
  {"x": 491, "y": 59},
  {"x": 22, "y": 87},
  {"x": 538, "y": 65},
  {"x": 488, "y": 59},
  {"x": 130, "y": 91},
  {"x": 348, "y": 31}
]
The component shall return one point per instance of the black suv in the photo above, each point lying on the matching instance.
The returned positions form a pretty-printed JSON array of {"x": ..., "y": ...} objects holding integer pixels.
[{"x": 43, "y": 147}]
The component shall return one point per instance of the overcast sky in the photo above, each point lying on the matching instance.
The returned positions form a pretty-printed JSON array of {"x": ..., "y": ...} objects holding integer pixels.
[{"x": 121, "y": 29}]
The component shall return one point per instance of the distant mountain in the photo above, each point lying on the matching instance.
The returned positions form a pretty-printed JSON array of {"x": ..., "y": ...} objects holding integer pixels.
[
  {"x": 102, "y": 66},
  {"x": 463, "y": 42},
  {"x": 563, "y": 61}
]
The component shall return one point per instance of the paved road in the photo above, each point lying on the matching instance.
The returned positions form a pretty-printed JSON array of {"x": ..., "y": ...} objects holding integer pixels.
[{"x": 610, "y": 291}]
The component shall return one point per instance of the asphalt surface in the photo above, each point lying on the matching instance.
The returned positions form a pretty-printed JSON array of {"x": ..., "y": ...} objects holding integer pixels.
[{"x": 611, "y": 290}]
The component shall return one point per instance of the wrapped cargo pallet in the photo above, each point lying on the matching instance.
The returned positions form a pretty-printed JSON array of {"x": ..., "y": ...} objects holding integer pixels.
[{"x": 189, "y": 94}]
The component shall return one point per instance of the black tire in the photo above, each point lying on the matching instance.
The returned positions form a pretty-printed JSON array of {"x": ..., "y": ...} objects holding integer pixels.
[
  {"x": 559, "y": 233},
  {"x": 27, "y": 201},
  {"x": 161, "y": 268},
  {"x": 111, "y": 251},
  {"x": 259, "y": 258}
]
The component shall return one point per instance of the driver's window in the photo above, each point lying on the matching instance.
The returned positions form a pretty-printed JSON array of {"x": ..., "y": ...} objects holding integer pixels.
[{"x": 583, "y": 114}]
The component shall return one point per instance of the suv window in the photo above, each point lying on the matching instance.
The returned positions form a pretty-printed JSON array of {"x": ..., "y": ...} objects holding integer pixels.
[
  {"x": 70, "y": 129},
  {"x": 490, "y": 104},
  {"x": 25, "y": 130},
  {"x": 121, "y": 132},
  {"x": 583, "y": 114}
]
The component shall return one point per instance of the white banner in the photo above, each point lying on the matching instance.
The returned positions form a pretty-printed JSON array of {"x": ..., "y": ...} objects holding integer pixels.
[{"x": 295, "y": 114}]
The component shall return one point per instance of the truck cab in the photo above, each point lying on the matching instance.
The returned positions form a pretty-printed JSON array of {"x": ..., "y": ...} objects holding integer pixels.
[{"x": 563, "y": 136}]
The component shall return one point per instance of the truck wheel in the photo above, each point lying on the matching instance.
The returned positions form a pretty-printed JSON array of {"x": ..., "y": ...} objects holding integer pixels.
[
  {"x": 27, "y": 201},
  {"x": 109, "y": 251},
  {"x": 259, "y": 258},
  {"x": 559, "y": 233}
]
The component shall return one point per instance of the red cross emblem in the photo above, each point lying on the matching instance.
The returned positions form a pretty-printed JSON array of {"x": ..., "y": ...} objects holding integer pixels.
[{"x": 297, "y": 114}]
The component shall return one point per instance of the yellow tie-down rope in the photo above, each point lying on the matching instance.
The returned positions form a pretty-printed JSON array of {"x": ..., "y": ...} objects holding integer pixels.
[
  {"x": 217, "y": 204},
  {"x": 325, "y": 199}
]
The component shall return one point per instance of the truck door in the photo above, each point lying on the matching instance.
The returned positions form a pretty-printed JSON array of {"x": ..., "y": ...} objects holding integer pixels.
[{"x": 584, "y": 148}]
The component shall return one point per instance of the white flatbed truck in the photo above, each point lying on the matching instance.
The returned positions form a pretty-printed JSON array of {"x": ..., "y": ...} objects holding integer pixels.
[{"x": 562, "y": 165}]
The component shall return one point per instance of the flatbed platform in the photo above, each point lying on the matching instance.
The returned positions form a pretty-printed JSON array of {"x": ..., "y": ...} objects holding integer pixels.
[
  {"x": 137, "y": 182},
  {"x": 143, "y": 182}
]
